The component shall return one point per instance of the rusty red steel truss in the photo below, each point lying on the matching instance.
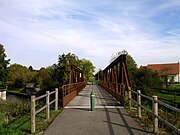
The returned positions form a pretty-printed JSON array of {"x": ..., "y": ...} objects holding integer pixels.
[
  {"x": 76, "y": 84},
  {"x": 116, "y": 78}
]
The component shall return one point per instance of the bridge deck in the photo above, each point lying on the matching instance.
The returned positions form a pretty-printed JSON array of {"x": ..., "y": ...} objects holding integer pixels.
[{"x": 109, "y": 118}]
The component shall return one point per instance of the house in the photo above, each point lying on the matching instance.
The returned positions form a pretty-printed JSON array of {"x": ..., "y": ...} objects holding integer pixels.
[
  {"x": 172, "y": 70},
  {"x": 31, "y": 89}
]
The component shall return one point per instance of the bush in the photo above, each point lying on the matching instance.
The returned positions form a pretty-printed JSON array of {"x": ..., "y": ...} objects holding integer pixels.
[
  {"x": 12, "y": 109},
  {"x": 146, "y": 79}
]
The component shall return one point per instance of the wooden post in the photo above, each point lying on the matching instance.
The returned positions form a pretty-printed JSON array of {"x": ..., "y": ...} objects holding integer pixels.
[
  {"x": 139, "y": 103},
  {"x": 129, "y": 97},
  {"x": 56, "y": 99},
  {"x": 175, "y": 104},
  {"x": 47, "y": 105},
  {"x": 155, "y": 113},
  {"x": 33, "y": 111},
  {"x": 3, "y": 95}
]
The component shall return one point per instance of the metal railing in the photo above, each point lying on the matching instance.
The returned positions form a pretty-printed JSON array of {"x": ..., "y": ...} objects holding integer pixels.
[
  {"x": 34, "y": 112},
  {"x": 154, "y": 111},
  {"x": 69, "y": 91},
  {"x": 115, "y": 89}
]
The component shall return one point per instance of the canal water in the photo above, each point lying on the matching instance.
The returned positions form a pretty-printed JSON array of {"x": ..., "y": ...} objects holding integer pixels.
[{"x": 17, "y": 98}]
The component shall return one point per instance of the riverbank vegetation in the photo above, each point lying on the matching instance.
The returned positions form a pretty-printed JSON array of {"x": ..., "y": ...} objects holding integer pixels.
[
  {"x": 15, "y": 119},
  {"x": 16, "y": 76}
]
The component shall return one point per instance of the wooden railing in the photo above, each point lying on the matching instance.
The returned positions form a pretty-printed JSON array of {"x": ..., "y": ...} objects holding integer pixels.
[
  {"x": 69, "y": 91},
  {"x": 34, "y": 112},
  {"x": 154, "y": 111},
  {"x": 174, "y": 94},
  {"x": 3, "y": 94}
]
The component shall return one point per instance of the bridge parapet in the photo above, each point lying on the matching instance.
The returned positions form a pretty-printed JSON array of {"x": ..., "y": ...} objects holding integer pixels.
[
  {"x": 116, "y": 77},
  {"x": 76, "y": 84},
  {"x": 69, "y": 91}
]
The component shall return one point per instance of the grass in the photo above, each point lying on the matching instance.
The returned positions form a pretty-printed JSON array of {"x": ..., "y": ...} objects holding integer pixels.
[
  {"x": 169, "y": 97},
  {"x": 42, "y": 123},
  {"x": 19, "y": 91},
  {"x": 146, "y": 120},
  {"x": 15, "y": 119},
  {"x": 174, "y": 87}
]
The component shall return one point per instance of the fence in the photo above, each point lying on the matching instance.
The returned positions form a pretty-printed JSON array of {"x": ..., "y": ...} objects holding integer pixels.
[
  {"x": 69, "y": 91},
  {"x": 3, "y": 94},
  {"x": 174, "y": 94},
  {"x": 154, "y": 111},
  {"x": 34, "y": 112}
]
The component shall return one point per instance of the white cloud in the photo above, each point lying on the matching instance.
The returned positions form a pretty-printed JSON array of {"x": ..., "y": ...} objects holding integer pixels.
[{"x": 93, "y": 30}]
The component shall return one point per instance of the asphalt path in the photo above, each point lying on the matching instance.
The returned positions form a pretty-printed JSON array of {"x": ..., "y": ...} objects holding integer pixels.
[{"x": 109, "y": 117}]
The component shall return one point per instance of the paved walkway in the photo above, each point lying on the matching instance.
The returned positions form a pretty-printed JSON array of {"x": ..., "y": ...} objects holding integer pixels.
[{"x": 109, "y": 118}]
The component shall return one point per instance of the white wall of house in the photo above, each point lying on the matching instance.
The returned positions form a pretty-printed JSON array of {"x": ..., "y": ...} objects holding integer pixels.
[{"x": 176, "y": 78}]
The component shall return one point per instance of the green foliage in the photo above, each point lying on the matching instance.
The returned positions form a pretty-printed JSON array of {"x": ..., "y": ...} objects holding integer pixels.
[
  {"x": 142, "y": 79},
  {"x": 169, "y": 97},
  {"x": 63, "y": 68},
  {"x": 17, "y": 109},
  {"x": 15, "y": 119},
  {"x": 61, "y": 71},
  {"x": 146, "y": 79},
  {"x": 164, "y": 73},
  {"x": 131, "y": 64},
  {"x": 99, "y": 75},
  {"x": 30, "y": 68},
  {"x": 19, "y": 75},
  {"x": 132, "y": 69},
  {"x": 44, "y": 79},
  {"x": 87, "y": 67},
  {"x": 3, "y": 65}
]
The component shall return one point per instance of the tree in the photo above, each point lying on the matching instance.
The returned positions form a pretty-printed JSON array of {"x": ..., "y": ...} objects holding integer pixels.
[
  {"x": 44, "y": 79},
  {"x": 63, "y": 68},
  {"x": 147, "y": 79},
  {"x": 87, "y": 67},
  {"x": 131, "y": 65},
  {"x": 19, "y": 75},
  {"x": 52, "y": 72},
  {"x": 3, "y": 65},
  {"x": 143, "y": 79},
  {"x": 30, "y": 68},
  {"x": 164, "y": 73},
  {"x": 99, "y": 75}
]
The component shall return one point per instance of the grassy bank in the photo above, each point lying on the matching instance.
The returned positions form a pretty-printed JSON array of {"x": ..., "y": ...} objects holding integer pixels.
[
  {"x": 146, "y": 120},
  {"x": 15, "y": 119},
  {"x": 18, "y": 91},
  {"x": 169, "y": 97}
]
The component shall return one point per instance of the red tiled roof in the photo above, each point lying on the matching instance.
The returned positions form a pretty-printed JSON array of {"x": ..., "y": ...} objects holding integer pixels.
[
  {"x": 143, "y": 67},
  {"x": 170, "y": 69}
]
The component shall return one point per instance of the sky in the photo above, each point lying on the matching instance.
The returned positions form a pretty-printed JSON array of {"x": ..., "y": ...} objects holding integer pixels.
[{"x": 35, "y": 32}]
